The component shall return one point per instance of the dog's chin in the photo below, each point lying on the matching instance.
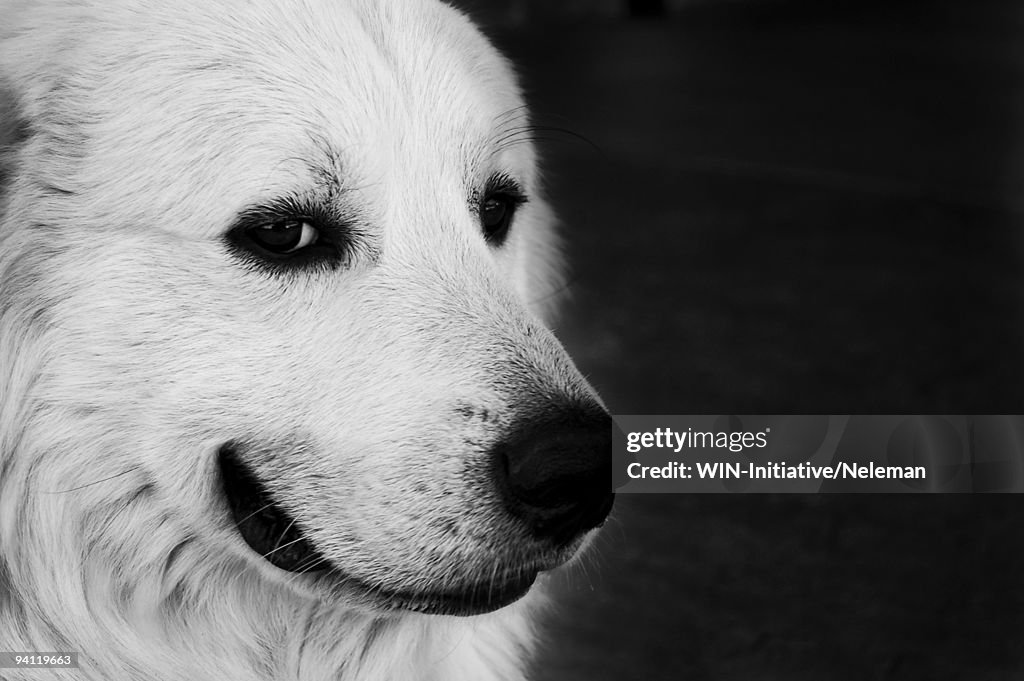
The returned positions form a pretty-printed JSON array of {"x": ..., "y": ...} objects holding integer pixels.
[
  {"x": 277, "y": 539},
  {"x": 477, "y": 600}
]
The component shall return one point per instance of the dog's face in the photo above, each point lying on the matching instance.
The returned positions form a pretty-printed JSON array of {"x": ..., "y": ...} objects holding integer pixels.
[{"x": 280, "y": 272}]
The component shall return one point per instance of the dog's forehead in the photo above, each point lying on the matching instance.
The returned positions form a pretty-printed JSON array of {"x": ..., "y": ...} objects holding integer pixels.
[
  {"x": 217, "y": 102},
  {"x": 359, "y": 64},
  {"x": 371, "y": 83},
  {"x": 351, "y": 70}
]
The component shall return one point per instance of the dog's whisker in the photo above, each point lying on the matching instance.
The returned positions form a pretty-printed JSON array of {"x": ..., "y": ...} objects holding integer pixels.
[
  {"x": 283, "y": 546},
  {"x": 312, "y": 565},
  {"x": 502, "y": 120},
  {"x": 520, "y": 110},
  {"x": 284, "y": 533},
  {"x": 255, "y": 513},
  {"x": 561, "y": 289},
  {"x": 542, "y": 133},
  {"x": 133, "y": 469}
]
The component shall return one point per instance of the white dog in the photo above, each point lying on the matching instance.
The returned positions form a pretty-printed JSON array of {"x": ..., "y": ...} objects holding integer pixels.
[{"x": 276, "y": 398}]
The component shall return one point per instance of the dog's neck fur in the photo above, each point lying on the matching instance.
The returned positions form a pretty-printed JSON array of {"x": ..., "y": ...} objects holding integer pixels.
[
  {"x": 166, "y": 627},
  {"x": 292, "y": 641}
]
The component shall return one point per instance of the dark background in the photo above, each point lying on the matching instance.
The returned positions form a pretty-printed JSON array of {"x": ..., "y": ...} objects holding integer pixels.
[{"x": 789, "y": 207}]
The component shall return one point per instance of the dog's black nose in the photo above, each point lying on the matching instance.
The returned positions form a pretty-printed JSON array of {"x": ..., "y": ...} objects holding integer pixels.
[{"x": 555, "y": 473}]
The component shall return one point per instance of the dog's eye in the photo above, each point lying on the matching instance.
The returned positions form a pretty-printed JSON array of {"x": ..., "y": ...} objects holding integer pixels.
[
  {"x": 496, "y": 216},
  {"x": 498, "y": 207},
  {"x": 288, "y": 236},
  {"x": 283, "y": 236}
]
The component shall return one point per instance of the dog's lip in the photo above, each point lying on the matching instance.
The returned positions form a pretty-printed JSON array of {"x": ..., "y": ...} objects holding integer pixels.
[
  {"x": 265, "y": 527},
  {"x": 476, "y": 599},
  {"x": 508, "y": 585}
]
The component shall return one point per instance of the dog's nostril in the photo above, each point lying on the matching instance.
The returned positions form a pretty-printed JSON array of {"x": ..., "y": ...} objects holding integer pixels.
[{"x": 556, "y": 475}]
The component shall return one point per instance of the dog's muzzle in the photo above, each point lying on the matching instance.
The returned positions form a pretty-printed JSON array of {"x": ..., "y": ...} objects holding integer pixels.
[{"x": 552, "y": 472}]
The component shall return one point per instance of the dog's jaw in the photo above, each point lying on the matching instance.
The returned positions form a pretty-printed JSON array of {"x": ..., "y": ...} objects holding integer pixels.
[{"x": 275, "y": 537}]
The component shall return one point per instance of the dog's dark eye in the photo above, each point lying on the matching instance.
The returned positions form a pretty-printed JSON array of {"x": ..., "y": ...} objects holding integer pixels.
[
  {"x": 286, "y": 236},
  {"x": 498, "y": 207},
  {"x": 496, "y": 216},
  {"x": 283, "y": 236}
]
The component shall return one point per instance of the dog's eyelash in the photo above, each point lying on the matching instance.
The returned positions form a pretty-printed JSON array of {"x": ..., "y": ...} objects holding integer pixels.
[{"x": 504, "y": 185}]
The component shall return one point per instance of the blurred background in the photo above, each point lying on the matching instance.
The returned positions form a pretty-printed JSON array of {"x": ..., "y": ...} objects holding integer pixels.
[{"x": 788, "y": 207}]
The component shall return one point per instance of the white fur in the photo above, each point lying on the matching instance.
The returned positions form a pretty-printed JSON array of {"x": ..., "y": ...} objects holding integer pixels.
[{"x": 133, "y": 344}]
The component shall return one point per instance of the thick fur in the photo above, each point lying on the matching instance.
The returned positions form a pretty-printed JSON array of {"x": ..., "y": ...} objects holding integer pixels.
[{"x": 134, "y": 343}]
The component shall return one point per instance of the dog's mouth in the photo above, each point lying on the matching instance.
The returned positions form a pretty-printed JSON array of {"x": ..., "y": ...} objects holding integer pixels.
[
  {"x": 265, "y": 526},
  {"x": 477, "y": 600},
  {"x": 275, "y": 536}
]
